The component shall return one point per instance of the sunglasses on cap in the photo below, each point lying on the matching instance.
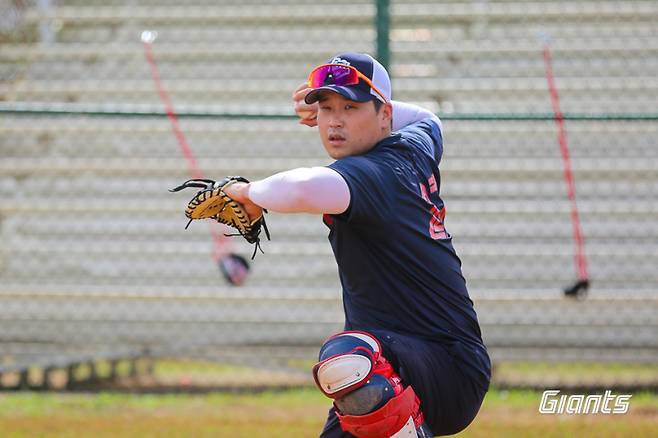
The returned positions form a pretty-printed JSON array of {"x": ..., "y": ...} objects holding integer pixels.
[{"x": 340, "y": 75}]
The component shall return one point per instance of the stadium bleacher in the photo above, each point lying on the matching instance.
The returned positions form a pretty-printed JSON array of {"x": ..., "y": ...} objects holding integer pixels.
[{"x": 92, "y": 246}]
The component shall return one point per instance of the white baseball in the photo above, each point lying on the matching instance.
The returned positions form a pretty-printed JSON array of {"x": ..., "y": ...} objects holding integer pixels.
[{"x": 148, "y": 36}]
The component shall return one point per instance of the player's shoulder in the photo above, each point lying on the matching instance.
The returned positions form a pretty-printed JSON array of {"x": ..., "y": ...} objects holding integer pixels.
[
  {"x": 375, "y": 166},
  {"x": 366, "y": 162},
  {"x": 429, "y": 126},
  {"x": 424, "y": 136}
]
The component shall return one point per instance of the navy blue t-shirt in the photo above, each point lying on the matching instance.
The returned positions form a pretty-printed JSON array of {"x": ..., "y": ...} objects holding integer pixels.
[{"x": 397, "y": 265}]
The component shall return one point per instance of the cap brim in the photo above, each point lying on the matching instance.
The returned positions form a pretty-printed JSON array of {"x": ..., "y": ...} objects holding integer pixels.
[{"x": 350, "y": 93}]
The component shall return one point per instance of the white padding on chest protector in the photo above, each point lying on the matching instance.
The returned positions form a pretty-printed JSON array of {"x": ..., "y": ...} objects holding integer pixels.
[{"x": 342, "y": 372}]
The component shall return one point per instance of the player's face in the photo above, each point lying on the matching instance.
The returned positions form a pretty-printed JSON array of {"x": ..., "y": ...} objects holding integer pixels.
[{"x": 350, "y": 128}]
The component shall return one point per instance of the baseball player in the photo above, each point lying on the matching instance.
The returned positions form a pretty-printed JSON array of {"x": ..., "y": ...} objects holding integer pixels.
[{"x": 411, "y": 361}]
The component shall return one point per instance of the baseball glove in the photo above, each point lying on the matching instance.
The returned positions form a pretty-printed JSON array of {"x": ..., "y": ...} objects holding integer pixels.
[{"x": 213, "y": 203}]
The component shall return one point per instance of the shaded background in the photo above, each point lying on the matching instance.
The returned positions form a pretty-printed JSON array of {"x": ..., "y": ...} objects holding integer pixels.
[{"x": 95, "y": 263}]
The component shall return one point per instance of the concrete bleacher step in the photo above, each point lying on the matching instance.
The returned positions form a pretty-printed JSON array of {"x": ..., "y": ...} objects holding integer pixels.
[
  {"x": 225, "y": 14},
  {"x": 479, "y": 58},
  {"x": 516, "y": 48},
  {"x": 502, "y": 187},
  {"x": 290, "y": 228},
  {"x": 158, "y": 335},
  {"x": 118, "y": 248},
  {"x": 114, "y": 189},
  {"x": 249, "y": 327},
  {"x": 635, "y": 313},
  {"x": 361, "y": 13},
  {"x": 152, "y": 136},
  {"x": 167, "y": 52},
  {"x": 636, "y": 103},
  {"x": 443, "y": 67},
  {"x": 627, "y": 168},
  {"x": 294, "y": 54},
  {"x": 293, "y": 228},
  {"x": 23, "y": 138},
  {"x": 464, "y": 101},
  {"x": 452, "y": 96},
  {"x": 550, "y": 335},
  {"x": 529, "y": 31},
  {"x": 243, "y": 34},
  {"x": 167, "y": 332},
  {"x": 482, "y": 277},
  {"x": 304, "y": 33},
  {"x": 166, "y": 3},
  {"x": 527, "y": 208},
  {"x": 290, "y": 239},
  {"x": 280, "y": 88},
  {"x": 121, "y": 262},
  {"x": 218, "y": 290},
  {"x": 511, "y": 12}
]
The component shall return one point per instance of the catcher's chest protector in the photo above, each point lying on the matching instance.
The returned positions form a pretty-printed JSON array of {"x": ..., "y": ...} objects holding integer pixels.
[{"x": 369, "y": 397}]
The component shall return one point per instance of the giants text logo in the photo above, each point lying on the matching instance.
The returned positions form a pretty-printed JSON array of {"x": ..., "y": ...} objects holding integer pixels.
[{"x": 607, "y": 403}]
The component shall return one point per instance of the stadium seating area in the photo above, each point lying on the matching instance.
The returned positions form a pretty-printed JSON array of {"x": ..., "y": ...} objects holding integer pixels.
[{"x": 93, "y": 250}]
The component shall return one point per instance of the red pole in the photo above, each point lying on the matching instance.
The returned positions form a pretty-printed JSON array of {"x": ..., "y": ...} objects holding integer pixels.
[
  {"x": 232, "y": 266},
  {"x": 580, "y": 256}
]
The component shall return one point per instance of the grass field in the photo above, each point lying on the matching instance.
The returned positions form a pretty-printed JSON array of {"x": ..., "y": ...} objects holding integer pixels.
[
  {"x": 294, "y": 413},
  {"x": 301, "y": 412}
]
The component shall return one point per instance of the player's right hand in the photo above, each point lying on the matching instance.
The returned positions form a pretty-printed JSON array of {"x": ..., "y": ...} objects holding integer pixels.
[
  {"x": 239, "y": 192},
  {"x": 307, "y": 113}
]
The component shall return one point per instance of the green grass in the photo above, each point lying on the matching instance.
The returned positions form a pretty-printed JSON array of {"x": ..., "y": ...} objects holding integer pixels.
[
  {"x": 576, "y": 372},
  {"x": 295, "y": 413},
  {"x": 284, "y": 414},
  {"x": 301, "y": 412}
]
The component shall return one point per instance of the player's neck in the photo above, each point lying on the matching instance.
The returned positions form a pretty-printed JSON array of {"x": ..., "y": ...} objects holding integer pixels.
[{"x": 386, "y": 132}]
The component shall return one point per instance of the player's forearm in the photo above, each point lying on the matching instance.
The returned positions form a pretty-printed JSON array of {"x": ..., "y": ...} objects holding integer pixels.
[
  {"x": 405, "y": 114},
  {"x": 303, "y": 190}
]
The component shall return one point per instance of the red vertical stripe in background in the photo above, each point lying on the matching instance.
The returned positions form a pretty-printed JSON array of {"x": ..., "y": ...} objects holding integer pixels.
[
  {"x": 580, "y": 257},
  {"x": 222, "y": 244}
]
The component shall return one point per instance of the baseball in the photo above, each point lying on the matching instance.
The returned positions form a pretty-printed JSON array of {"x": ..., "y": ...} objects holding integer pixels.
[{"x": 148, "y": 36}]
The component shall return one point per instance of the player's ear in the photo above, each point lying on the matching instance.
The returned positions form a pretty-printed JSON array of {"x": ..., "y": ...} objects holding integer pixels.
[{"x": 386, "y": 115}]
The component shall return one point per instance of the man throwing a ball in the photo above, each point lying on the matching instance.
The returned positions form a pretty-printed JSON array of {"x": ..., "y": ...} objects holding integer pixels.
[{"x": 411, "y": 361}]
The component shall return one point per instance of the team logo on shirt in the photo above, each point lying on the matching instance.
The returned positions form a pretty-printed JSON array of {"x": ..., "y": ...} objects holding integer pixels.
[{"x": 437, "y": 229}]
